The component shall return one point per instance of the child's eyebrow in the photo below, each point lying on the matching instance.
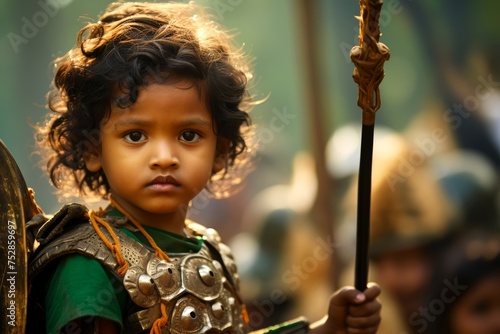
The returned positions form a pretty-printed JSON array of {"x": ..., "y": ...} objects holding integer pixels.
[
  {"x": 195, "y": 121},
  {"x": 131, "y": 121}
]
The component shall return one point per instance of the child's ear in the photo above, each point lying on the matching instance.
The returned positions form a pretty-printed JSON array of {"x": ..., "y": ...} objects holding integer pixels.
[
  {"x": 93, "y": 161},
  {"x": 220, "y": 159}
]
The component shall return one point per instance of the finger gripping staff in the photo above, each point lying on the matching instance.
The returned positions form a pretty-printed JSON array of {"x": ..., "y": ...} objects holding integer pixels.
[{"x": 368, "y": 58}]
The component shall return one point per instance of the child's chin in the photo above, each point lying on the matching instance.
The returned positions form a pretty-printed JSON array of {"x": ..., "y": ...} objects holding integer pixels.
[{"x": 166, "y": 210}]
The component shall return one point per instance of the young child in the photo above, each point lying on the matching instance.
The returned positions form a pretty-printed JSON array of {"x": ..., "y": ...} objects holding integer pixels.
[
  {"x": 149, "y": 109},
  {"x": 465, "y": 296}
]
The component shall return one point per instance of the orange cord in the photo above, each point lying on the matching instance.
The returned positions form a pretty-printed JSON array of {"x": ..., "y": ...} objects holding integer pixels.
[
  {"x": 244, "y": 314},
  {"x": 115, "y": 249},
  {"x": 115, "y": 246},
  {"x": 158, "y": 251},
  {"x": 160, "y": 322}
]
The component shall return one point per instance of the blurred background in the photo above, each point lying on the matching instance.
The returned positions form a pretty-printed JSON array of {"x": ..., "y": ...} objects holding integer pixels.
[
  {"x": 437, "y": 143},
  {"x": 272, "y": 32}
]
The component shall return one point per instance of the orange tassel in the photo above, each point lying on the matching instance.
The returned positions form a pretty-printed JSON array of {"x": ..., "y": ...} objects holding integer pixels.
[
  {"x": 113, "y": 246},
  {"x": 161, "y": 322}
]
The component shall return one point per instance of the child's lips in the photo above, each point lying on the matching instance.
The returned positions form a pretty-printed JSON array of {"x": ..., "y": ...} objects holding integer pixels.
[{"x": 164, "y": 182}]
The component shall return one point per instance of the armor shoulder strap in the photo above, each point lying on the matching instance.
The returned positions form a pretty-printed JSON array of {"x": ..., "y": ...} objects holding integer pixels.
[
  {"x": 83, "y": 239},
  {"x": 219, "y": 250},
  {"x": 76, "y": 238}
]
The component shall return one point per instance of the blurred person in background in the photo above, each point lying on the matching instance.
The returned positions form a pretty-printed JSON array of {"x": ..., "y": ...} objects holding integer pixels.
[
  {"x": 410, "y": 215},
  {"x": 284, "y": 263},
  {"x": 466, "y": 292}
]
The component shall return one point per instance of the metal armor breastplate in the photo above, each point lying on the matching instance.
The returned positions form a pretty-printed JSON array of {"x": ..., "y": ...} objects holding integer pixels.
[{"x": 200, "y": 290}]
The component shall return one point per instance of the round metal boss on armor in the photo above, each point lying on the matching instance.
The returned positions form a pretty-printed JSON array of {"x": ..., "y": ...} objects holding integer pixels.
[
  {"x": 141, "y": 287},
  {"x": 218, "y": 310},
  {"x": 188, "y": 318},
  {"x": 207, "y": 275},
  {"x": 146, "y": 284}
]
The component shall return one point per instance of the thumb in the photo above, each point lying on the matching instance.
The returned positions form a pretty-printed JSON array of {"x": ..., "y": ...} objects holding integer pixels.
[
  {"x": 339, "y": 306},
  {"x": 346, "y": 296}
]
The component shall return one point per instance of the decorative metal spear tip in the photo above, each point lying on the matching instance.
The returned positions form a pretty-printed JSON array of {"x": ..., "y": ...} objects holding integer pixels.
[{"x": 369, "y": 58}]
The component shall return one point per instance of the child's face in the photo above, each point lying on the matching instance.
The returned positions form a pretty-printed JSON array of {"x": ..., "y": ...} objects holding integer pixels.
[
  {"x": 159, "y": 153},
  {"x": 405, "y": 274},
  {"x": 478, "y": 311}
]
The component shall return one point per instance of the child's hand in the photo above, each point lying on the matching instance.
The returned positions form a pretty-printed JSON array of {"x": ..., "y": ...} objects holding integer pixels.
[{"x": 352, "y": 312}]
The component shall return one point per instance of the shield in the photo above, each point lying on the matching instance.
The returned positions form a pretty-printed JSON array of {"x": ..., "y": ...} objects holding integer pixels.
[{"x": 16, "y": 208}]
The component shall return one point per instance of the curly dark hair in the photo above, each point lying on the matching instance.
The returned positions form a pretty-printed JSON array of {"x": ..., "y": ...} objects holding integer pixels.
[{"x": 130, "y": 46}]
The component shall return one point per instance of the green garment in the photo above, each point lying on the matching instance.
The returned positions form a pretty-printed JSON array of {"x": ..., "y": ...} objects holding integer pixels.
[{"x": 82, "y": 287}]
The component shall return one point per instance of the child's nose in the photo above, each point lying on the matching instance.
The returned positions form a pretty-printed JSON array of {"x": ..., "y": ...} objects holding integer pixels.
[{"x": 164, "y": 155}]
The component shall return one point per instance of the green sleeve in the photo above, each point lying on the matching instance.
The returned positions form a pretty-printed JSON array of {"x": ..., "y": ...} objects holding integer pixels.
[{"x": 80, "y": 287}]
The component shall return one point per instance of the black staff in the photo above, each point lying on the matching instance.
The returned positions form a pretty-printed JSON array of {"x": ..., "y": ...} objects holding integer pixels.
[{"x": 368, "y": 58}]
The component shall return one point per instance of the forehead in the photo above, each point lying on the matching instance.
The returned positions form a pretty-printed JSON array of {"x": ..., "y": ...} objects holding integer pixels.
[
  {"x": 164, "y": 103},
  {"x": 127, "y": 91}
]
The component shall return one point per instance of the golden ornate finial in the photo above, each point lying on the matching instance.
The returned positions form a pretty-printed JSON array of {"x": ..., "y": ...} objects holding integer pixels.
[{"x": 369, "y": 58}]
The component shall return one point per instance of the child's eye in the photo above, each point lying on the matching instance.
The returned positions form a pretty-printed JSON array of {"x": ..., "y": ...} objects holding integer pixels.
[
  {"x": 481, "y": 307},
  {"x": 135, "y": 137},
  {"x": 189, "y": 136}
]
